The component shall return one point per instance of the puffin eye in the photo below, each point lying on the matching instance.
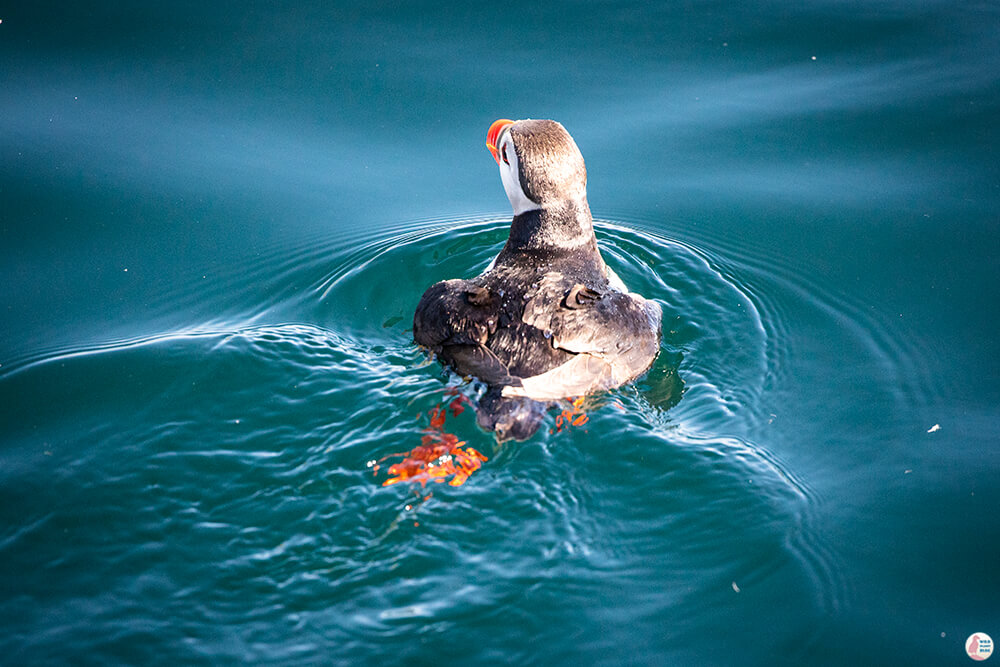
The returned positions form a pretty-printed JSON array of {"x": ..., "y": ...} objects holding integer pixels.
[{"x": 503, "y": 153}]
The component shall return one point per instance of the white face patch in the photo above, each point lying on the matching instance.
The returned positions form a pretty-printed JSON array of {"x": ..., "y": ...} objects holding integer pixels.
[{"x": 509, "y": 174}]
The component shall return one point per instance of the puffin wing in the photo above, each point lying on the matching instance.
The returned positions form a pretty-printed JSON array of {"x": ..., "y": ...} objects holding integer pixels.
[
  {"x": 454, "y": 312},
  {"x": 478, "y": 361},
  {"x": 623, "y": 328},
  {"x": 614, "y": 335},
  {"x": 454, "y": 319}
]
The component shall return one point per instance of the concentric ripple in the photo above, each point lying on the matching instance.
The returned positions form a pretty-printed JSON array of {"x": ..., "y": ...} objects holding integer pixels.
[{"x": 221, "y": 475}]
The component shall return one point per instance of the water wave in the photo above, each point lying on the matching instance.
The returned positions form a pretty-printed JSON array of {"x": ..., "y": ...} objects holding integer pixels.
[{"x": 252, "y": 437}]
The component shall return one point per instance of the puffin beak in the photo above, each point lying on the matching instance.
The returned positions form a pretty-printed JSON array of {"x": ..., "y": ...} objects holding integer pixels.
[{"x": 494, "y": 133}]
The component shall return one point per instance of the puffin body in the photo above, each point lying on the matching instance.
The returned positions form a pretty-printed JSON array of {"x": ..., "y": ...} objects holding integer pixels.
[{"x": 547, "y": 319}]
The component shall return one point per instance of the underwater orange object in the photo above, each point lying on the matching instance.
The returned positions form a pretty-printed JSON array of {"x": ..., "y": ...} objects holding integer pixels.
[
  {"x": 437, "y": 417},
  {"x": 439, "y": 455},
  {"x": 457, "y": 405},
  {"x": 571, "y": 416}
]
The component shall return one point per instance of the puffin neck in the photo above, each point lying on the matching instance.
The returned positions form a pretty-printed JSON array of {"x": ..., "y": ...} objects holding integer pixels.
[{"x": 567, "y": 226}]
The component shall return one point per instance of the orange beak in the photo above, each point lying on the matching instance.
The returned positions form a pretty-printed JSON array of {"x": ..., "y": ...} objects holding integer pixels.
[{"x": 494, "y": 133}]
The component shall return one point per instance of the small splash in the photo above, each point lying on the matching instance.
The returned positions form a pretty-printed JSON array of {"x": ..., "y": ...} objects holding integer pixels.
[{"x": 441, "y": 455}]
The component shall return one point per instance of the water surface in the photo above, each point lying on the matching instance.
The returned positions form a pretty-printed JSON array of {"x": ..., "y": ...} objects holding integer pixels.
[{"x": 216, "y": 224}]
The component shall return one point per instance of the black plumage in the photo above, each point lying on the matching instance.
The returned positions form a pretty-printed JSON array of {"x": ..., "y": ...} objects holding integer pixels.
[{"x": 547, "y": 320}]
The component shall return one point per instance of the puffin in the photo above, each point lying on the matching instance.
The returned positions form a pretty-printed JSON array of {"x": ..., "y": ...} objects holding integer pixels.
[{"x": 548, "y": 319}]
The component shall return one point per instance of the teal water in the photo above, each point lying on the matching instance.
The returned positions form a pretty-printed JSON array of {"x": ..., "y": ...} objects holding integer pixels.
[{"x": 217, "y": 219}]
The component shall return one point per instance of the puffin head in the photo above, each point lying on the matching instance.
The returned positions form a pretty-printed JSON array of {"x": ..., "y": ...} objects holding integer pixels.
[{"x": 540, "y": 165}]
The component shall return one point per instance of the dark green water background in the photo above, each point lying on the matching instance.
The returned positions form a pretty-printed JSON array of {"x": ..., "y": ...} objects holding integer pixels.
[{"x": 216, "y": 219}]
